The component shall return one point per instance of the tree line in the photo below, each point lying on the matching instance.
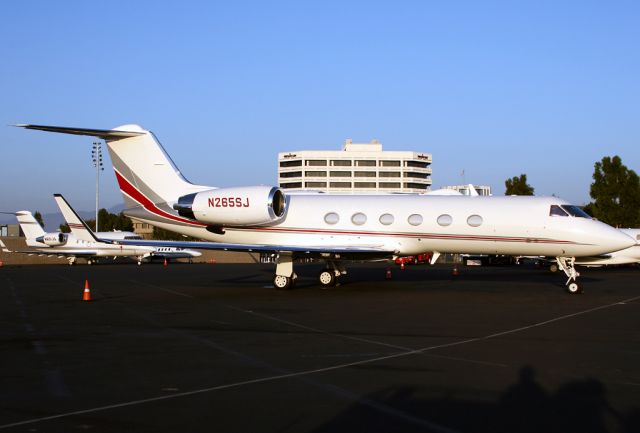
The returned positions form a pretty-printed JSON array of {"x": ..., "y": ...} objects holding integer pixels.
[
  {"x": 108, "y": 222},
  {"x": 615, "y": 192}
]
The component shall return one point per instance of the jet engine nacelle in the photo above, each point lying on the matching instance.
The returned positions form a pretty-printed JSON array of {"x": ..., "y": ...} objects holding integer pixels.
[
  {"x": 53, "y": 239},
  {"x": 238, "y": 206}
]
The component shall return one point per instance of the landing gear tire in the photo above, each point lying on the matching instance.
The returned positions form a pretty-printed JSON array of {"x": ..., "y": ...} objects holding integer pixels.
[
  {"x": 574, "y": 288},
  {"x": 327, "y": 278},
  {"x": 280, "y": 282}
]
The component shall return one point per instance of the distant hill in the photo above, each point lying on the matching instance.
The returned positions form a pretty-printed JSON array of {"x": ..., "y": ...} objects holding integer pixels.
[{"x": 52, "y": 221}]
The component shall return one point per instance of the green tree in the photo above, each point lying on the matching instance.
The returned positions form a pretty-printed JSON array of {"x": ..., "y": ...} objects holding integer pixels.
[
  {"x": 64, "y": 228},
  {"x": 616, "y": 193},
  {"x": 518, "y": 185},
  {"x": 38, "y": 217},
  {"x": 110, "y": 222}
]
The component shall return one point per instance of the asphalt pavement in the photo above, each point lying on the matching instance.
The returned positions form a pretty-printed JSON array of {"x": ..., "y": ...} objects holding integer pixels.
[{"x": 213, "y": 348}]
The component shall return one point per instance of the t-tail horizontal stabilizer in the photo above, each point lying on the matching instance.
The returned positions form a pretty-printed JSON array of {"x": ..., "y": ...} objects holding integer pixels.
[{"x": 105, "y": 134}]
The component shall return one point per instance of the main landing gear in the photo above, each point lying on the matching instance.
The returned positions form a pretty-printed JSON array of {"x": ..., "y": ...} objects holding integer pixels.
[
  {"x": 567, "y": 265},
  {"x": 285, "y": 278},
  {"x": 329, "y": 276}
]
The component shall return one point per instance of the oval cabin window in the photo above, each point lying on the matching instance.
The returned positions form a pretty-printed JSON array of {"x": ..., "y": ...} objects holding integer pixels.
[
  {"x": 445, "y": 220},
  {"x": 415, "y": 219},
  {"x": 359, "y": 218},
  {"x": 474, "y": 220},
  {"x": 331, "y": 218},
  {"x": 386, "y": 219}
]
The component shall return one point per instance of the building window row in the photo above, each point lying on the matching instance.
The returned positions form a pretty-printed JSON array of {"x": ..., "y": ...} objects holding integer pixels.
[
  {"x": 288, "y": 185},
  {"x": 310, "y": 173},
  {"x": 349, "y": 163},
  {"x": 291, "y": 174},
  {"x": 372, "y": 185},
  {"x": 295, "y": 163}
]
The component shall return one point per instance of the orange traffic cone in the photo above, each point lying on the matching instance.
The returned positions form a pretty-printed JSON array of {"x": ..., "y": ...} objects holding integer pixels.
[
  {"x": 388, "y": 275},
  {"x": 165, "y": 262},
  {"x": 1, "y": 263},
  {"x": 86, "y": 296},
  {"x": 455, "y": 272}
]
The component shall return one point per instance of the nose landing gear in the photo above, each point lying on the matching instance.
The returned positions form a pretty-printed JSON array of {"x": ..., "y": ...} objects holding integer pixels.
[{"x": 567, "y": 265}]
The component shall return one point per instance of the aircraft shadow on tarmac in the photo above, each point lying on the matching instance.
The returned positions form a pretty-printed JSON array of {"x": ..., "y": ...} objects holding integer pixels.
[{"x": 579, "y": 406}]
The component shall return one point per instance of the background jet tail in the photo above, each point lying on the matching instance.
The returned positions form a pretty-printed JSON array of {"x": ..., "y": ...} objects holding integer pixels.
[
  {"x": 30, "y": 227},
  {"x": 78, "y": 227}
]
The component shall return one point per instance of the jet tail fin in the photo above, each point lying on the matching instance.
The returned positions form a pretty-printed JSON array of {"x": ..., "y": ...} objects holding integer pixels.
[
  {"x": 30, "y": 227},
  {"x": 78, "y": 227},
  {"x": 147, "y": 176}
]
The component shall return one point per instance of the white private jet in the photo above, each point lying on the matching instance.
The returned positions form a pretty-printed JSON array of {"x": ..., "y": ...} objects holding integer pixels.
[{"x": 339, "y": 228}]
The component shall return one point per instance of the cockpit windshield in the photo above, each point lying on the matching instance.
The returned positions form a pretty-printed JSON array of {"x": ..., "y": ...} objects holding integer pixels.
[
  {"x": 566, "y": 210},
  {"x": 575, "y": 211},
  {"x": 557, "y": 211}
]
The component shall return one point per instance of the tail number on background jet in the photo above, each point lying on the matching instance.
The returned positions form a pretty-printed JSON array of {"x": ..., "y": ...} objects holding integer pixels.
[{"x": 228, "y": 202}]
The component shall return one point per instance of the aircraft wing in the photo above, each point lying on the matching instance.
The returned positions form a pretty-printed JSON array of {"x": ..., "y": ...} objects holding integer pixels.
[{"x": 298, "y": 251}]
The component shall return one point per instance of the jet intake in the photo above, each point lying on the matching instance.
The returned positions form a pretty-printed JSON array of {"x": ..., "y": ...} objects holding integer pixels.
[{"x": 241, "y": 206}]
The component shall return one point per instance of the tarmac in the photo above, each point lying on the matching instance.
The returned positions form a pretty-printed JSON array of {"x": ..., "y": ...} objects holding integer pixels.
[{"x": 213, "y": 348}]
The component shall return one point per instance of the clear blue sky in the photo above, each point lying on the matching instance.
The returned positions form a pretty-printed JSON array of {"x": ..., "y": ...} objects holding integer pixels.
[{"x": 495, "y": 89}]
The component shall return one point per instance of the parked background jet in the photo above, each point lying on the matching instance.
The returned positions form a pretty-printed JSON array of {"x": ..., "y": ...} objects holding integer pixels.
[
  {"x": 71, "y": 246},
  {"x": 83, "y": 233}
]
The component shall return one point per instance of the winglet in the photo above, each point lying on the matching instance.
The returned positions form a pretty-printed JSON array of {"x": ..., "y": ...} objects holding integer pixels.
[{"x": 78, "y": 227}]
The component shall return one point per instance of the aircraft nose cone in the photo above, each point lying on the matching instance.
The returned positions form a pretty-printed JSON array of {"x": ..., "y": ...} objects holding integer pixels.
[{"x": 617, "y": 240}]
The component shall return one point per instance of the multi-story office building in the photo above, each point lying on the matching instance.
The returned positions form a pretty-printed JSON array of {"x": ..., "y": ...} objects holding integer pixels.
[
  {"x": 145, "y": 230},
  {"x": 356, "y": 168}
]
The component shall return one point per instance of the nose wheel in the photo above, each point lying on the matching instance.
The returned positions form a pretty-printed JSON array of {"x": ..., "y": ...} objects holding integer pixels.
[
  {"x": 573, "y": 288},
  {"x": 567, "y": 265}
]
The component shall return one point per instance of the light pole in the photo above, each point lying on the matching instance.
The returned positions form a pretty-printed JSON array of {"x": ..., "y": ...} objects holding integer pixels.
[{"x": 96, "y": 157}]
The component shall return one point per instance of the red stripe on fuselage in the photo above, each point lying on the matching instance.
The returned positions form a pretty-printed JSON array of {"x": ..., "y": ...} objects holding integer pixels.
[
  {"x": 409, "y": 235},
  {"x": 150, "y": 206}
]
